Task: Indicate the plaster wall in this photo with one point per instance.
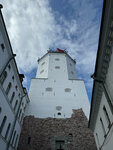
(2, 143)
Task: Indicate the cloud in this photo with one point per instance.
(34, 26)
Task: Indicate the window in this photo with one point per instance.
(19, 95)
(41, 71)
(70, 136)
(15, 105)
(2, 46)
(29, 140)
(19, 113)
(22, 117)
(7, 131)
(57, 59)
(12, 97)
(57, 67)
(97, 140)
(13, 137)
(2, 124)
(43, 63)
(9, 67)
(13, 78)
(16, 141)
(67, 90)
(60, 144)
(16, 87)
(102, 125)
(8, 88)
(3, 77)
(59, 113)
(49, 89)
(107, 117)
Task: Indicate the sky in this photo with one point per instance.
(34, 26)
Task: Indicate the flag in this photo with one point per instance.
(60, 50)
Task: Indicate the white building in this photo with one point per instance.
(13, 97)
(101, 115)
(56, 91)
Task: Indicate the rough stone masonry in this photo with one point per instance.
(57, 134)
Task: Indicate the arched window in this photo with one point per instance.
(3, 77)
(2, 124)
(15, 105)
(13, 137)
(12, 97)
(8, 88)
(7, 131)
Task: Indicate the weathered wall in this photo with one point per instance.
(45, 132)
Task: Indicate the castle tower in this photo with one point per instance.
(55, 117)
(56, 91)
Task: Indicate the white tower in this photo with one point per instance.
(56, 91)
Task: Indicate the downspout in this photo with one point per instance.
(16, 117)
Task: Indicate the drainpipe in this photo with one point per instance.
(7, 64)
(16, 117)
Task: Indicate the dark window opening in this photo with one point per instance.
(13, 137)
(7, 131)
(15, 105)
(12, 97)
(13, 78)
(59, 113)
(60, 145)
(70, 135)
(2, 124)
(3, 47)
(8, 88)
(3, 77)
(103, 128)
(107, 116)
(29, 140)
(9, 67)
(16, 87)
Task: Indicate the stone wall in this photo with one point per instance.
(57, 134)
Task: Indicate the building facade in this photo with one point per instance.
(13, 97)
(101, 115)
(56, 117)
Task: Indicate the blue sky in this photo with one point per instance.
(36, 26)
